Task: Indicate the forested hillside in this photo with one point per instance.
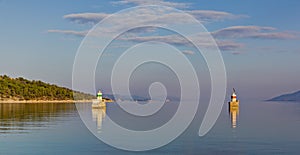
(23, 89)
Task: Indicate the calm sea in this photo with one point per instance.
(256, 128)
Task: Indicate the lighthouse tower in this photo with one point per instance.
(98, 103)
(234, 109)
(99, 96)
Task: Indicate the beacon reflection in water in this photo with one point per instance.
(233, 107)
(98, 116)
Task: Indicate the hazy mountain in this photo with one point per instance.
(123, 97)
(135, 97)
(287, 97)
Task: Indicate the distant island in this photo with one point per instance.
(125, 98)
(23, 90)
(118, 97)
(287, 97)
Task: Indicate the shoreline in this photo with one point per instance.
(48, 101)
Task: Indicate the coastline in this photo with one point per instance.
(47, 101)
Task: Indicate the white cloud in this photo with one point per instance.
(69, 32)
(180, 41)
(162, 15)
(83, 18)
(211, 15)
(171, 39)
(153, 2)
(227, 45)
(252, 32)
(275, 35)
(148, 16)
(175, 40)
(157, 17)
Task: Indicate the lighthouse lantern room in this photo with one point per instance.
(234, 102)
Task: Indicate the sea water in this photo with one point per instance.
(56, 128)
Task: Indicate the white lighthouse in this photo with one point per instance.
(99, 103)
(99, 95)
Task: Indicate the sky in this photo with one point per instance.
(259, 42)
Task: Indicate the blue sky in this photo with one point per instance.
(259, 39)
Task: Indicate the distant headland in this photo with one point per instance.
(21, 90)
(295, 97)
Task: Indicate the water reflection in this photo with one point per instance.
(23, 118)
(98, 116)
(234, 112)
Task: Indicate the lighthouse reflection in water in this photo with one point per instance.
(233, 107)
(98, 116)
